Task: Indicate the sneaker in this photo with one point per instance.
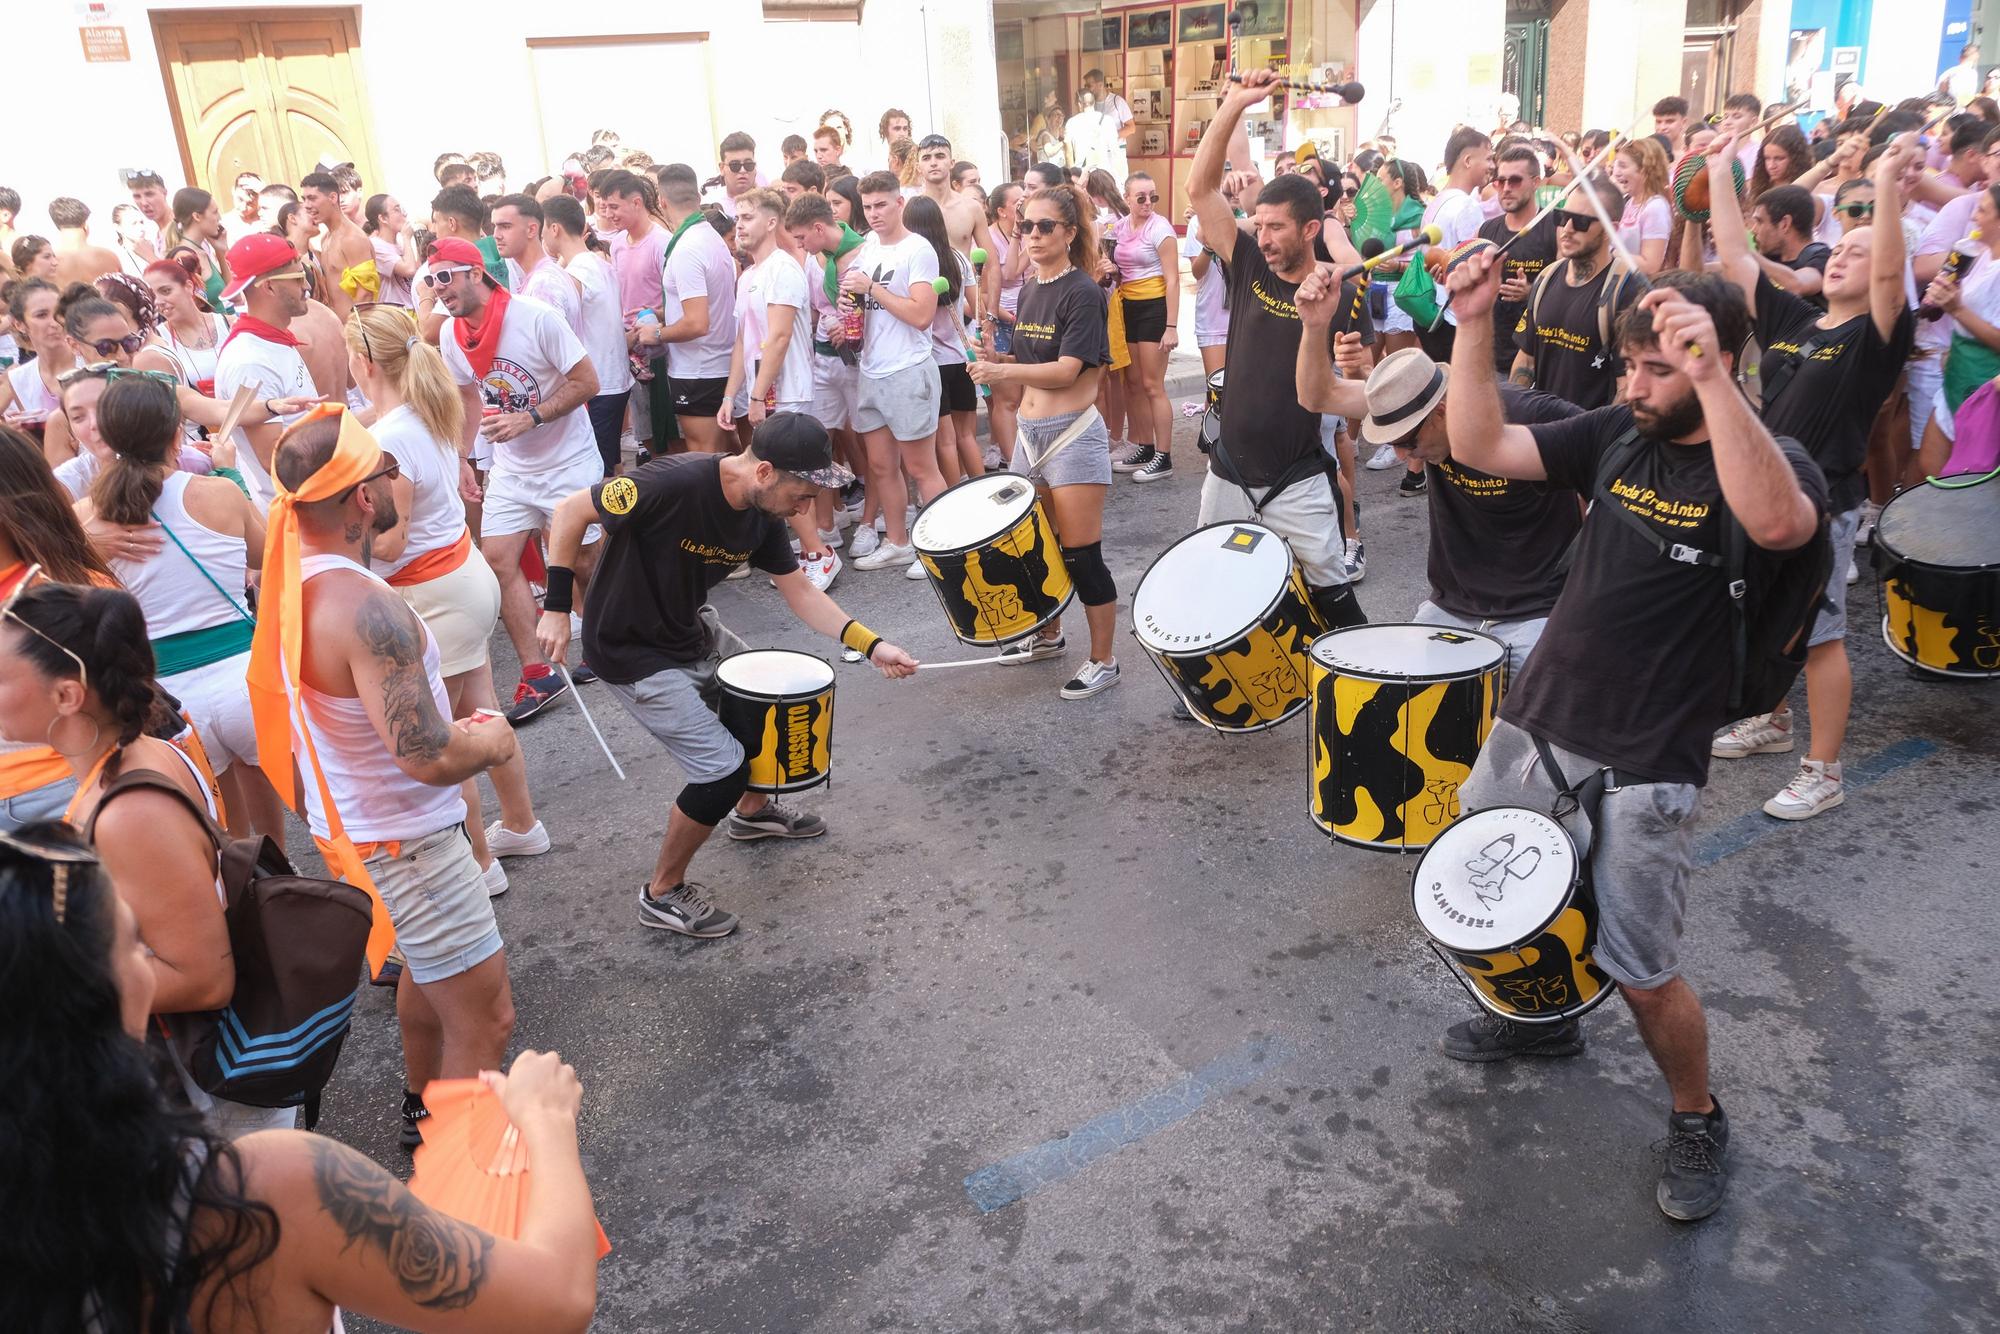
(740, 572)
(1383, 459)
(864, 541)
(1159, 468)
(832, 541)
(684, 911)
(1413, 484)
(991, 458)
(1816, 787)
(774, 820)
(1864, 532)
(1033, 649)
(1488, 1037)
(414, 1113)
(1761, 735)
(504, 842)
(1096, 676)
(534, 694)
(822, 571)
(494, 879)
(391, 974)
(1853, 571)
(581, 674)
(1134, 458)
(885, 555)
(1694, 1181)
(1356, 561)
(916, 571)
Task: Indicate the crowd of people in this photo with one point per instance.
(274, 475)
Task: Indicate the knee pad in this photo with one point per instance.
(1337, 606)
(708, 803)
(1087, 570)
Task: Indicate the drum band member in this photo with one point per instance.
(672, 532)
(1060, 347)
(1632, 675)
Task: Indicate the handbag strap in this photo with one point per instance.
(212, 582)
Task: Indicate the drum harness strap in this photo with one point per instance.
(1313, 465)
(1070, 434)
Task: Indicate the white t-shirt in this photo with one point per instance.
(277, 371)
(537, 350)
(1211, 294)
(1117, 113)
(603, 327)
(437, 514)
(887, 344)
(388, 255)
(701, 265)
(1136, 248)
(777, 280)
(549, 283)
(1458, 216)
(1651, 221)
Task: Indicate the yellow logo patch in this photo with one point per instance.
(619, 495)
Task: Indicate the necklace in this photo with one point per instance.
(203, 340)
(1057, 275)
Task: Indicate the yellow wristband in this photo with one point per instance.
(860, 638)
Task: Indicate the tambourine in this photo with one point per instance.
(1691, 188)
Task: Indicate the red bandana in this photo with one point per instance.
(481, 345)
(256, 328)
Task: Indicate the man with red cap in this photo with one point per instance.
(268, 283)
(526, 380)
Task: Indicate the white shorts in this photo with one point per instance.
(836, 390)
(216, 699)
(525, 502)
(1305, 514)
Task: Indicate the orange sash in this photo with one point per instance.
(434, 564)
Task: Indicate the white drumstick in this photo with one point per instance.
(962, 662)
(577, 695)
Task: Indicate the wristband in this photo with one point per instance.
(535, 416)
(854, 634)
(562, 589)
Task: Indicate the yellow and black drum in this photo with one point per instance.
(1211, 413)
(1502, 896)
(779, 704)
(1937, 553)
(1399, 713)
(992, 559)
(1224, 614)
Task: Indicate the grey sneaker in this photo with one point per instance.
(1694, 1180)
(775, 820)
(1488, 1037)
(1032, 649)
(1094, 677)
(683, 910)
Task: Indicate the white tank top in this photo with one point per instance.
(378, 802)
(32, 398)
(173, 593)
(197, 364)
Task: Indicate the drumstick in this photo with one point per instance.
(601, 743)
(1611, 232)
(237, 407)
(961, 662)
(1557, 202)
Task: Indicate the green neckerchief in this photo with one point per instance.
(496, 267)
(1411, 214)
(849, 238)
(690, 220)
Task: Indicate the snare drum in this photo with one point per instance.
(1937, 552)
(1502, 894)
(1211, 414)
(779, 704)
(1399, 713)
(1224, 614)
(992, 559)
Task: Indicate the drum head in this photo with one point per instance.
(1954, 527)
(1418, 652)
(1494, 879)
(1210, 587)
(975, 511)
(775, 672)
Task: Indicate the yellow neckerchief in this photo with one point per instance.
(359, 278)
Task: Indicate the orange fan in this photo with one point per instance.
(472, 1164)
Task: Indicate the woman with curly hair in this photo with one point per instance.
(1639, 170)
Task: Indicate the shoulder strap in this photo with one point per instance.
(1622, 451)
(212, 581)
(129, 779)
(1607, 299)
(1783, 373)
(1542, 281)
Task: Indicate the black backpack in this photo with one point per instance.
(298, 943)
(1774, 596)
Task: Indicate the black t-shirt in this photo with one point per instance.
(1813, 255)
(1065, 318)
(1634, 667)
(1571, 359)
(671, 535)
(1829, 402)
(1497, 544)
(1527, 258)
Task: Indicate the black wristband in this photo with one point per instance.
(562, 589)
(535, 416)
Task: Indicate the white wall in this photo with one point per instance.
(1901, 57)
(1439, 58)
(1632, 58)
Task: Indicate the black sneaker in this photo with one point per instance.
(1488, 1037)
(1134, 458)
(1413, 484)
(1159, 469)
(581, 673)
(535, 694)
(414, 1112)
(1694, 1181)
(1032, 649)
(774, 821)
(682, 910)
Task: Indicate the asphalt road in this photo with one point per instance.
(1073, 1021)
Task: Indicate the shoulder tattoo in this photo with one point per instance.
(392, 634)
(439, 1262)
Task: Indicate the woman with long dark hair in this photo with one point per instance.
(30, 393)
(198, 225)
(387, 226)
(844, 195)
(1782, 158)
(958, 398)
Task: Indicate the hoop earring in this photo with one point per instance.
(96, 735)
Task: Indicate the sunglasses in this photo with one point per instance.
(392, 471)
(1146, 199)
(111, 370)
(8, 613)
(443, 277)
(1041, 226)
(104, 347)
(1511, 180)
(1583, 222)
(1856, 210)
(1349, 191)
(368, 348)
(742, 164)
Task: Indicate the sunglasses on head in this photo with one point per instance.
(8, 613)
(1856, 210)
(1041, 226)
(741, 164)
(111, 370)
(1583, 222)
(104, 347)
(443, 277)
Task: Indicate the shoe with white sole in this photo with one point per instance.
(1383, 459)
(1134, 458)
(1032, 649)
(1356, 561)
(832, 541)
(823, 570)
(865, 540)
(916, 570)
(1159, 468)
(885, 555)
(1760, 735)
(1853, 571)
(494, 879)
(991, 458)
(1815, 788)
(1095, 677)
(504, 842)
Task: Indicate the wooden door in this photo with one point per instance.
(273, 97)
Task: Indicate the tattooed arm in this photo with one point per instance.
(387, 659)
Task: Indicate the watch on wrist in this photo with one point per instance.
(535, 416)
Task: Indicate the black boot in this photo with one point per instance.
(414, 1111)
(1338, 607)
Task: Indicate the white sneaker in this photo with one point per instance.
(1816, 788)
(1864, 532)
(831, 541)
(882, 557)
(864, 541)
(494, 879)
(916, 571)
(1356, 560)
(504, 842)
(1853, 571)
(1384, 459)
(740, 572)
(1094, 677)
(575, 626)
(1752, 736)
(822, 572)
(992, 458)
(1121, 452)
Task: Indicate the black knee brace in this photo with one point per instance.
(1087, 570)
(1337, 606)
(708, 803)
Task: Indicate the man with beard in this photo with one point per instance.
(268, 284)
(672, 532)
(1633, 673)
(1514, 183)
(1566, 334)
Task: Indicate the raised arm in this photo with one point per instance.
(1725, 222)
(1320, 390)
(1481, 437)
(1886, 300)
(1204, 180)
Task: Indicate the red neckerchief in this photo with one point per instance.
(256, 328)
(481, 345)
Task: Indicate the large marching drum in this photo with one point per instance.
(1937, 552)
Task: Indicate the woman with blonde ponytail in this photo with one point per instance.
(419, 422)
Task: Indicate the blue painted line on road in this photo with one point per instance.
(1010, 1179)
(1744, 830)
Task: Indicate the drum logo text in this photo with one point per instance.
(798, 738)
(1463, 919)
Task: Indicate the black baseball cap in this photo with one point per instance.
(795, 443)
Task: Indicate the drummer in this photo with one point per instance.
(1059, 350)
(673, 531)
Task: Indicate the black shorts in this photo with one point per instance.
(698, 398)
(960, 393)
(1145, 321)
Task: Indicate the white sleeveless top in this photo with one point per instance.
(175, 596)
(32, 398)
(437, 514)
(197, 364)
(378, 802)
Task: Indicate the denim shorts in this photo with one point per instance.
(432, 888)
(1831, 623)
(41, 803)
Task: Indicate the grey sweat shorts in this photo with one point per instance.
(1086, 460)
